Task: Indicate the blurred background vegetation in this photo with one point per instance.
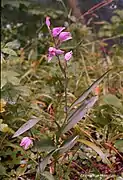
(31, 87)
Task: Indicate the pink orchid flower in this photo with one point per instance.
(59, 52)
(65, 36)
(68, 55)
(56, 31)
(26, 142)
(53, 52)
(48, 22)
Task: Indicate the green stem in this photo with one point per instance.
(65, 88)
(65, 83)
(63, 70)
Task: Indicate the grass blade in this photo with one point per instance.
(97, 149)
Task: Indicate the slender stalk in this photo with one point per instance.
(63, 70)
(65, 87)
(65, 81)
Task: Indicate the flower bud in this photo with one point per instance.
(68, 55)
(26, 142)
(48, 22)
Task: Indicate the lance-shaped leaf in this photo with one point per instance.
(47, 175)
(98, 150)
(79, 114)
(68, 144)
(45, 161)
(25, 127)
(86, 92)
(71, 113)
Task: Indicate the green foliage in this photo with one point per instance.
(119, 145)
(33, 94)
(114, 29)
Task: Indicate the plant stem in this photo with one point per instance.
(65, 81)
(63, 70)
(65, 87)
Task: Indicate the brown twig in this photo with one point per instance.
(110, 146)
(96, 7)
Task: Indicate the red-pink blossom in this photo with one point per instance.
(65, 36)
(59, 52)
(48, 22)
(53, 52)
(68, 55)
(57, 30)
(26, 142)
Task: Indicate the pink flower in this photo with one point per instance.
(59, 52)
(53, 52)
(68, 55)
(56, 31)
(48, 22)
(26, 142)
(64, 36)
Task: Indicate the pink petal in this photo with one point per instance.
(48, 22)
(26, 142)
(68, 55)
(52, 51)
(27, 145)
(23, 141)
(59, 52)
(64, 36)
(50, 58)
(56, 31)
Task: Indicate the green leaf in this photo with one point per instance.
(45, 161)
(3, 82)
(119, 145)
(9, 76)
(15, 3)
(48, 175)
(2, 170)
(13, 45)
(11, 73)
(97, 149)
(24, 90)
(14, 80)
(45, 144)
(111, 99)
(68, 144)
(9, 144)
(9, 51)
(25, 127)
(21, 170)
(86, 92)
(78, 114)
